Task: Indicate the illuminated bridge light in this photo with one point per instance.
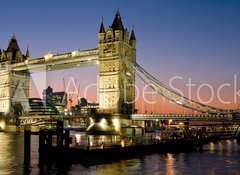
(128, 73)
(74, 53)
(48, 56)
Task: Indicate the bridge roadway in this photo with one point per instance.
(181, 117)
(37, 119)
(60, 61)
(31, 120)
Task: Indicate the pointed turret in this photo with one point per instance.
(117, 22)
(13, 45)
(27, 54)
(102, 29)
(132, 40)
(132, 37)
(101, 33)
(14, 54)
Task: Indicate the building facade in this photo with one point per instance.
(14, 86)
(117, 83)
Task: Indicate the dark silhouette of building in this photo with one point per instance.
(56, 99)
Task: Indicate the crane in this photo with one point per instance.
(71, 96)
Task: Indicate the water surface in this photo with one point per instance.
(216, 158)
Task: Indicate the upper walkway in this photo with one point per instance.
(60, 61)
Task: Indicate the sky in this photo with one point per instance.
(176, 40)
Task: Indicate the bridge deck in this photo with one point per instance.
(181, 117)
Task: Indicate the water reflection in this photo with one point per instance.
(170, 163)
(229, 147)
(11, 153)
(216, 158)
(211, 147)
(220, 148)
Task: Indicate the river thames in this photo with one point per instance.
(216, 158)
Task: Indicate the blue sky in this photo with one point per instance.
(192, 39)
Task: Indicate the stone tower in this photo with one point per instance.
(14, 86)
(116, 82)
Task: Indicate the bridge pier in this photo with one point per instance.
(238, 138)
(27, 148)
(200, 147)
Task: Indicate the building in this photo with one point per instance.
(38, 107)
(57, 99)
(90, 108)
(83, 102)
(116, 88)
(84, 107)
(14, 86)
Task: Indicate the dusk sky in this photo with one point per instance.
(197, 40)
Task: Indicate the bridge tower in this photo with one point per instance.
(116, 82)
(14, 86)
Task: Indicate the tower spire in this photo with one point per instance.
(117, 22)
(13, 45)
(102, 29)
(14, 37)
(118, 13)
(132, 37)
(27, 53)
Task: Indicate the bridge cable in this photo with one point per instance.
(171, 94)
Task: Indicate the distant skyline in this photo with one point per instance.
(197, 40)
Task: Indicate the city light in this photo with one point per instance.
(178, 102)
(2, 125)
(122, 143)
(103, 121)
(116, 123)
(50, 126)
(91, 121)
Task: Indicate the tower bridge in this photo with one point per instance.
(116, 59)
